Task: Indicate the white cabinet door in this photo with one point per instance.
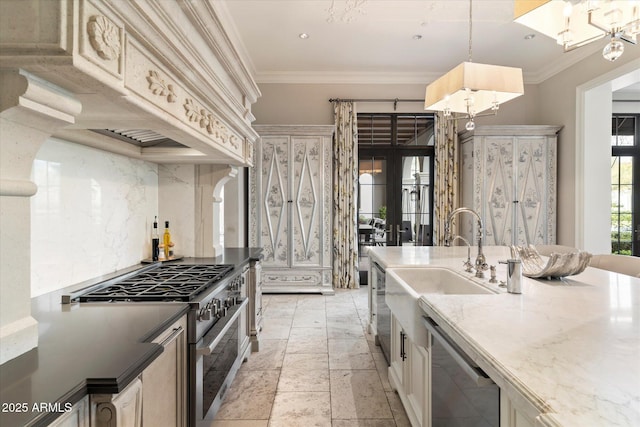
(418, 395)
(164, 382)
(372, 292)
(509, 178)
(510, 416)
(244, 335)
(275, 193)
(535, 186)
(497, 207)
(397, 356)
(255, 303)
(290, 207)
(409, 372)
(306, 201)
(77, 417)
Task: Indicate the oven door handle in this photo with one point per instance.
(477, 375)
(205, 348)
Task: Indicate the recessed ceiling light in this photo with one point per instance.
(529, 36)
(303, 36)
(417, 37)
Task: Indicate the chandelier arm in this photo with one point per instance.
(568, 48)
(628, 26)
(590, 21)
(456, 117)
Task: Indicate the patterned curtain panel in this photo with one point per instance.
(345, 197)
(446, 174)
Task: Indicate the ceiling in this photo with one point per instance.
(376, 41)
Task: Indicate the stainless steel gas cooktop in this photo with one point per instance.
(163, 282)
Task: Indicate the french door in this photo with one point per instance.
(395, 191)
(625, 181)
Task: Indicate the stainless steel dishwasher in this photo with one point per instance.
(462, 394)
(383, 321)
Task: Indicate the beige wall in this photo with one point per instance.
(557, 105)
(308, 104)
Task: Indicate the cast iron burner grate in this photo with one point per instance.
(164, 283)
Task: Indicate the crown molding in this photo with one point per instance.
(355, 77)
(227, 22)
(567, 60)
(401, 77)
(344, 77)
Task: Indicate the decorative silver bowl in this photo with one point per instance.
(558, 265)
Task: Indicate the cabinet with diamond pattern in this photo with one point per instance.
(508, 176)
(290, 207)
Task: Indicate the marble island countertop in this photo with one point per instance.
(566, 352)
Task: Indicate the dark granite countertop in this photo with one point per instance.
(236, 256)
(86, 348)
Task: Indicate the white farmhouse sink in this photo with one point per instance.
(404, 286)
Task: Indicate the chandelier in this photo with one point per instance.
(471, 88)
(575, 23)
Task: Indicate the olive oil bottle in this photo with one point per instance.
(166, 240)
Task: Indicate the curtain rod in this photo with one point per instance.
(394, 100)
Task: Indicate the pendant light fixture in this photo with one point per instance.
(576, 23)
(471, 88)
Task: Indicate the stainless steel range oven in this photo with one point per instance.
(217, 331)
(216, 353)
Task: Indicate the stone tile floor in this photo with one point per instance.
(317, 366)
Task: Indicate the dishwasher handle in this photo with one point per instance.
(477, 375)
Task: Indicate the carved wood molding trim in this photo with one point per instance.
(290, 278)
(104, 37)
(206, 120)
(105, 414)
(158, 86)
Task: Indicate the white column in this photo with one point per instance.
(596, 234)
(31, 110)
(210, 180)
(234, 212)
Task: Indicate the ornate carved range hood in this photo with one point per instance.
(167, 68)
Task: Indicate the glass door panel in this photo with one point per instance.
(621, 205)
(416, 193)
(372, 200)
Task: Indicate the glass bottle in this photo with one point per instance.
(166, 240)
(155, 241)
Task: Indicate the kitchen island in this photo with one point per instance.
(565, 353)
(89, 348)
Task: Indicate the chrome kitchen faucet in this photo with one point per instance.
(481, 262)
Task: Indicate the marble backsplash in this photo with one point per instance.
(92, 214)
